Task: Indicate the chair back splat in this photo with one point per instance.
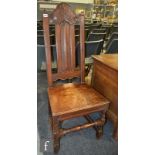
(64, 20)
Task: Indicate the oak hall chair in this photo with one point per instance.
(69, 100)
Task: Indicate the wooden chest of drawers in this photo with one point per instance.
(105, 80)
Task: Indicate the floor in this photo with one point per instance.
(83, 142)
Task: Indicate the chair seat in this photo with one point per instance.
(70, 98)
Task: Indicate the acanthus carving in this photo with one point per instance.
(64, 13)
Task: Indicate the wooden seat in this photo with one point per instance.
(70, 100)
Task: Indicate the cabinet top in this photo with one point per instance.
(111, 60)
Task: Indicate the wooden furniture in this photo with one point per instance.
(105, 80)
(70, 100)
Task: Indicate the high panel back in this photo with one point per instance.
(64, 19)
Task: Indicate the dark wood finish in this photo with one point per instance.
(64, 20)
(47, 48)
(105, 80)
(70, 100)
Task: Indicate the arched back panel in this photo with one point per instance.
(64, 19)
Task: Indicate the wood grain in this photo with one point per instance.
(105, 81)
(74, 97)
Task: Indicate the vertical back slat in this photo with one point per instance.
(72, 46)
(47, 48)
(64, 46)
(58, 47)
(82, 48)
(63, 56)
(67, 43)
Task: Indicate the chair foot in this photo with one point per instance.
(99, 132)
(56, 136)
(56, 145)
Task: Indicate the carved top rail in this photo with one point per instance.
(63, 13)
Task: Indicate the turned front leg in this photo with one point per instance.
(56, 135)
(99, 132)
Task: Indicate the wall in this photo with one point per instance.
(76, 1)
(73, 5)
